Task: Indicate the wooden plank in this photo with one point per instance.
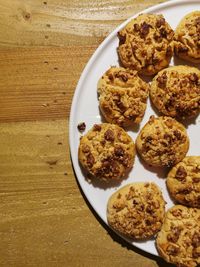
(44, 218)
(60, 22)
(38, 83)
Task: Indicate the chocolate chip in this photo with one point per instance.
(122, 76)
(168, 137)
(184, 191)
(196, 180)
(148, 222)
(174, 235)
(181, 173)
(119, 151)
(144, 53)
(110, 166)
(120, 105)
(196, 169)
(170, 35)
(163, 32)
(151, 119)
(177, 134)
(97, 127)
(136, 27)
(196, 240)
(122, 38)
(111, 77)
(171, 238)
(106, 166)
(193, 77)
(85, 148)
(162, 80)
(103, 142)
(160, 22)
(183, 83)
(148, 139)
(135, 202)
(149, 209)
(159, 152)
(158, 39)
(183, 110)
(169, 104)
(109, 135)
(90, 160)
(144, 30)
(172, 250)
(177, 213)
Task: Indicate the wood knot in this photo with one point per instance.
(52, 162)
(26, 15)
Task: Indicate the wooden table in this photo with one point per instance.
(44, 218)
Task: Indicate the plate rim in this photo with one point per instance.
(77, 91)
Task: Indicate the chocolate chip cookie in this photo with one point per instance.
(146, 44)
(175, 91)
(178, 242)
(162, 142)
(187, 37)
(183, 181)
(106, 152)
(136, 210)
(122, 96)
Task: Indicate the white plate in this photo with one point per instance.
(85, 109)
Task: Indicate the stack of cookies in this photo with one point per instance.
(106, 152)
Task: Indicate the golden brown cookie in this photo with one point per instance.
(183, 181)
(175, 91)
(178, 242)
(122, 96)
(136, 210)
(187, 37)
(162, 142)
(106, 152)
(146, 44)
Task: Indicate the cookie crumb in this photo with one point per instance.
(81, 126)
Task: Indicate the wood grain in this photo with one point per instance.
(61, 23)
(45, 219)
(37, 84)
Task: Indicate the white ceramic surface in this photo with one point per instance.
(85, 109)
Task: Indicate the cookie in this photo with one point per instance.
(187, 37)
(122, 96)
(106, 152)
(136, 210)
(175, 91)
(183, 181)
(178, 242)
(146, 44)
(162, 142)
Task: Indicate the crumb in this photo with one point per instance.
(81, 126)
